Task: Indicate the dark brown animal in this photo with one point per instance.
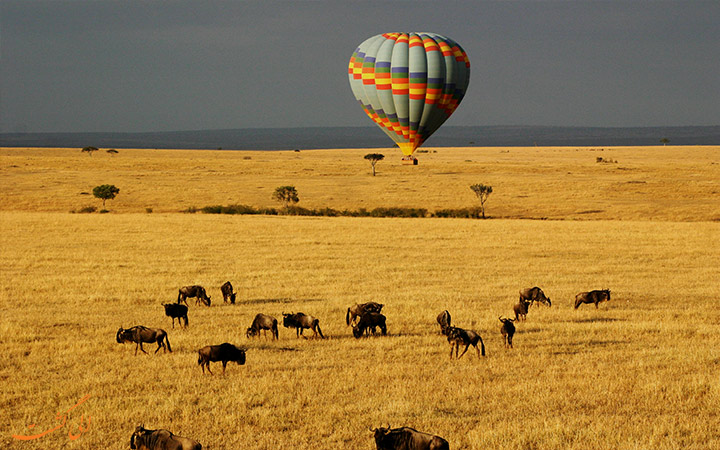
(301, 321)
(507, 329)
(407, 438)
(223, 352)
(368, 322)
(521, 309)
(263, 322)
(140, 334)
(227, 292)
(534, 294)
(176, 311)
(457, 336)
(592, 297)
(444, 320)
(193, 291)
(358, 309)
(143, 439)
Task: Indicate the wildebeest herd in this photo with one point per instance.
(364, 318)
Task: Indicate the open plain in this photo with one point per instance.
(640, 372)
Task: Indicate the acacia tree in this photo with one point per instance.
(374, 158)
(664, 141)
(89, 150)
(105, 192)
(482, 192)
(286, 195)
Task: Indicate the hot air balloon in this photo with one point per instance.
(409, 84)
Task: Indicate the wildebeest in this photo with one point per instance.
(358, 309)
(300, 321)
(369, 321)
(507, 329)
(521, 309)
(457, 336)
(227, 292)
(592, 297)
(534, 294)
(406, 438)
(193, 291)
(140, 334)
(223, 352)
(444, 320)
(176, 311)
(263, 322)
(143, 439)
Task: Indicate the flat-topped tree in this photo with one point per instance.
(105, 192)
(374, 158)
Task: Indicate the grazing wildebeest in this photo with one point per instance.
(457, 336)
(223, 352)
(592, 297)
(358, 309)
(193, 291)
(263, 322)
(176, 311)
(507, 329)
(444, 320)
(300, 321)
(227, 292)
(521, 309)
(534, 294)
(143, 439)
(369, 321)
(140, 334)
(407, 438)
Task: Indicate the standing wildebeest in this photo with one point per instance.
(193, 291)
(444, 320)
(521, 309)
(592, 297)
(300, 321)
(263, 322)
(223, 352)
(407, 438)
(358, 309)
(507, 329)
(140, 334)
(534, 294)
(227, 292)
(369, 321)
(176, 311)
(457, 336)
(143, 439)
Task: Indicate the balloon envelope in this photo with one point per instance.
(409, 83)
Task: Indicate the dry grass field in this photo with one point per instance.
(640, 372)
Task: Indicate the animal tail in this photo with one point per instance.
(482, 347)
(317, 325)
(347, 317)
(168, 343)
(275, 330)
(186, 319)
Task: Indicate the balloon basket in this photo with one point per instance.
(410, 161)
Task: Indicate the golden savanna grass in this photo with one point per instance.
(641, 372)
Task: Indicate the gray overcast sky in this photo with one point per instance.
(132, 65)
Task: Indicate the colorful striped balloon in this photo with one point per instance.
(409, 83)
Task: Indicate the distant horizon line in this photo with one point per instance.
(194, 130)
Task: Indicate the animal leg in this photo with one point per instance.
(224, 364)
(141, 348)
(207, 363)
(160, 345)
(451, 349)
(466, 349)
